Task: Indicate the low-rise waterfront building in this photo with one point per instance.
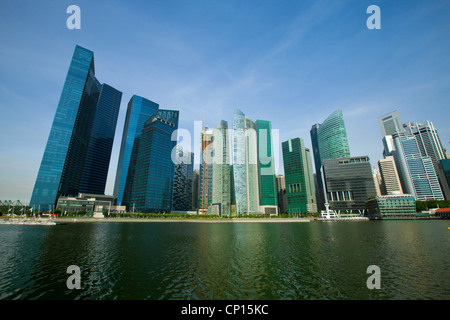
(393, 206)
(89, 203)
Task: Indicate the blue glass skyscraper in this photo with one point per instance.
(139, 110)
(149, 185)
(98, 155)
(80, 113)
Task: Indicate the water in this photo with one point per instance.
(226, 261)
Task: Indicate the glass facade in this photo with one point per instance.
(332, 137)
(98, 155)
(299, 180)
(266, 164)
(390, 123)
(66, 161)
(183, 180)
(416, 172)
(149, 185)
(206, 171)
(329, 141)
(245, 165)
(221, 196)
(139, 110)
(444, 176)
(392, 207)
(348, 183)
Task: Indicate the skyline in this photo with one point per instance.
(207, 59)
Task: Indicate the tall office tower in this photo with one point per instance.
(75, 159)
(417, 173)
(232, 194)
(412, 147)
(221, 197)
(266, 166)
(206, 171)
(98, 155)
(139, 110)
(300, 188)
(281, 194)
(329, 141)
(378, 180)
(317, 164)
(427, 139)
(183, 179)
(149, 185)
(195, 180)
(245, 164)
(390, 180)
(348, 183)
(444, 176)
(390, 123)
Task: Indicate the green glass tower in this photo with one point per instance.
(266, 167)
(300, 189)
(329, 141)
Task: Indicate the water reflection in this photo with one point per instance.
(226, 260)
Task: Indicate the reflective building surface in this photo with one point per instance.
(299, 180)
(78, 150)
(149, 185)
(138, 111)
(348, 183)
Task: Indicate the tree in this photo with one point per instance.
(421, 206)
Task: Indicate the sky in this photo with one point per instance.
(290, 62)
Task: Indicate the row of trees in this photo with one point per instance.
(431, 204)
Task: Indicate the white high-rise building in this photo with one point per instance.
(390, 180)
(245, 164)
(221, 197)
(414, 148)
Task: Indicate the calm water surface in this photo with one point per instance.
(229, 261)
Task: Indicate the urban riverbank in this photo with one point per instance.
(196, 220)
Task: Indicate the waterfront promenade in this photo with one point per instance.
(195, 220)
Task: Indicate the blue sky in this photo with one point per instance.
(291, 62)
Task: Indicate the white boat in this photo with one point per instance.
(331, 215)
(30, 221)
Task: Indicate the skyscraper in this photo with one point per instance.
(281, 192)
(78, 150)
(195, 189)
(266, 167)
(427, 139)
(221, 193)
(444, 177)
(348, 183)
(412, 147)
(390, 123)
(245, 164)
(205, 182)
(299, 180)
(416, 172)
(390, 180)
(149, 185)
(139, 110)
(183, 179)
(329, 141)
(98, 155)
